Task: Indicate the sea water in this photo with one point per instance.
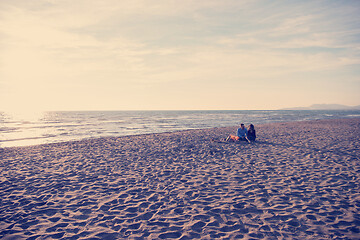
(50, 127)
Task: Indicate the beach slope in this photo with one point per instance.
(300, 180)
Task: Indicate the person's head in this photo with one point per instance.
(242, 126)
(251, 127)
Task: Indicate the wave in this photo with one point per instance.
(21, 139)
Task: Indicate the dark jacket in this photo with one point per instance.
(251, 135)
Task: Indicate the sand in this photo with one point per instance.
(300, 180)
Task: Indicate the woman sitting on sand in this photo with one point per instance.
(251, 135)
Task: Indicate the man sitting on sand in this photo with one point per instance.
(241, 134)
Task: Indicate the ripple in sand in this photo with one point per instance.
(169, 235)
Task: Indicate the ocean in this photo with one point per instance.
(50, 127)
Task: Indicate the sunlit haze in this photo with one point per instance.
(162, 55)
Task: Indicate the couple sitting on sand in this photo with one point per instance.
(244, 134)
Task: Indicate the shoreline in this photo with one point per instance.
(226, 128)
(62, 127)
(299, 180)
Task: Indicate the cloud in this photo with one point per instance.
(142, 48)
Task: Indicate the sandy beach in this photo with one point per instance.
(300, 180)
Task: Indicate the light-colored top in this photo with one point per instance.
(242, 132)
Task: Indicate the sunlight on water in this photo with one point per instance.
(17, 128)
(25, 116)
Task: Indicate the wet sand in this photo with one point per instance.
(300, 180)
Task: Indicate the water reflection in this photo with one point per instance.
(24, 116)
(19, 127)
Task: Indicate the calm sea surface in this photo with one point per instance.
(49, 127)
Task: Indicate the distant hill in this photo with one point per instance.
(325, 107)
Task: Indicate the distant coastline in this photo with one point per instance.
(325, 107)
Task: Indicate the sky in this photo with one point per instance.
(178, 55)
